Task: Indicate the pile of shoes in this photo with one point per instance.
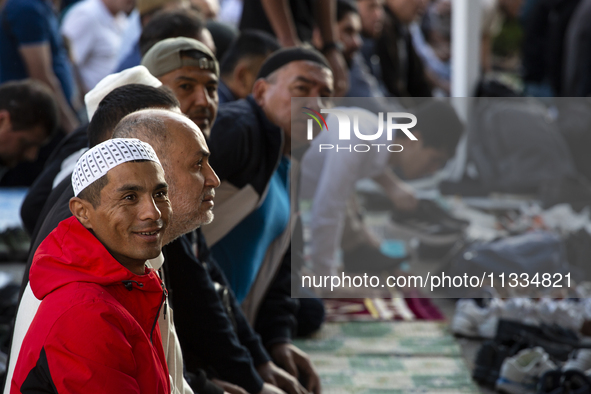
(429, 223)
(521, 354)
(534, 348)
(520, 373)
(532, 371)
(573, 377)
(479, 318)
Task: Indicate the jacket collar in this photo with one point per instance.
(71, 253)
(272, 131)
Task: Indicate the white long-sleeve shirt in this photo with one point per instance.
(95, 38)
(329, 177)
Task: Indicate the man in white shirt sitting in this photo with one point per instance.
(329, 175)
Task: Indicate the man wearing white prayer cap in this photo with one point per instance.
(117, 104)
(95, 330)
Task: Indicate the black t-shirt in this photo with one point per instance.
(254, 17)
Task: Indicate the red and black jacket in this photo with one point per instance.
(95, 331)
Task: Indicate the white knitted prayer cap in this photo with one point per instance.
(138, 75)
(102, 158)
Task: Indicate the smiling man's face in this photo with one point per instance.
(133, 212)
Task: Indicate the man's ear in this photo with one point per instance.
(240, 76)
(258, 91)
(83, 210)
(5, 123)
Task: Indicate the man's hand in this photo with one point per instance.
(271, 389)
(339, 71)
(281, 19)
(403, 197)
(295, 361)
(229, 388)
(271, 373)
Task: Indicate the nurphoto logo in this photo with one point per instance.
(344, 131)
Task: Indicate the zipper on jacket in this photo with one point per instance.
(129, 284)
(164, 295)
(165, 290)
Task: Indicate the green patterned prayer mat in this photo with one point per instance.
(388, 358)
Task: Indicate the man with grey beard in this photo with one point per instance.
(213, 336)
(182, 147)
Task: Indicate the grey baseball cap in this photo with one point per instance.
(165, 56)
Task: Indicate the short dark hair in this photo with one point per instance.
(439, 125)
(344, 7)
(30, 103)
(123, 101)
(92, 192)
(223, 36)
(249, 43)
(170, 24)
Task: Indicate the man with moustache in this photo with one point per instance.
(112, 108)
(191, 71)
(215, 343)
(91, 276)
(250, 238)
(191, 182)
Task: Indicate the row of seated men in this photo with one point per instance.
(215, 333)
(225, 281)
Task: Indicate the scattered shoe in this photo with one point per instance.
(576, 382)
(521, 309)
(472, 321)
(567, 382)
(430, 211)
(489, 360)
(534, 336)
(520, 373)
(551, 383)
(429, 223)
(566, 313)
(578, 360)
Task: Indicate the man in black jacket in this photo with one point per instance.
(402, 69)
(205, 325)
(250, 237)
(196, 310)
(190, 69)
